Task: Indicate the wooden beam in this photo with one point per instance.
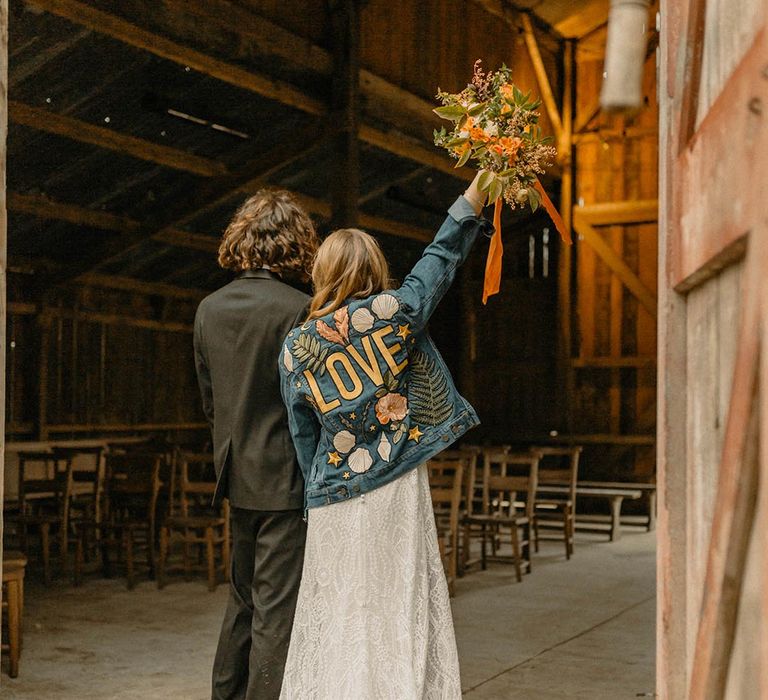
(118, 320)
(47, 208)
(606, 253)
(545, 87)
(41, 206)
(122, 427)
(129, 284)
(110, 25)
(627, 212)
(78, 130)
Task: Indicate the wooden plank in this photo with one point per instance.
(184, 239)
(626, 212)
(691, 80)
(118, 320)
(545, 88)
(644, 295)
(713, 208)
(122, 427)
(78, 130)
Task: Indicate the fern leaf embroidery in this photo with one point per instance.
(307, 349)
(428, 391)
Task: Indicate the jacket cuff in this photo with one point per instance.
(462, 209)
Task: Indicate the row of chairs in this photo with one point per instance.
(490, 495)
(133, 504)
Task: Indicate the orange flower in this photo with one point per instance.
(506, 109)
(508, 91)
(461, 148)
(510, 145)
(477, 134)
(468, 124)
(391, 407)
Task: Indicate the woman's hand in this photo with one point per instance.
(473, 195)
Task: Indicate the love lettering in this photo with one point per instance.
(344, 368)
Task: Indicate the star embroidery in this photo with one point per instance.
(352, 416)
(372, 428)
(298, 385)
(346, 475)
(415, 434)
(404, 331)
(334, 458)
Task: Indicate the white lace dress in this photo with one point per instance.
(373, 619)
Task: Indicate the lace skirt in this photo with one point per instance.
(373, 619)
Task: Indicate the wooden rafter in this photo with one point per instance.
(625, 212)
(247, 79)
(545, 87)
(84, 132)
(614, 261)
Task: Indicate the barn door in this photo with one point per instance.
(713, 364)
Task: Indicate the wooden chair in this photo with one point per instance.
(194, 522)
(509, 492)
(129, 510)
(84, 501)
(557, 512)
(44, 492)
(446, 487)
(14, 566)
(472, 500)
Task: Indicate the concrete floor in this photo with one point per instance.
(578, 629)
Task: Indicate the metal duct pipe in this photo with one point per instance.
(625, 55)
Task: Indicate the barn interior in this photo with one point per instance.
(135, 129)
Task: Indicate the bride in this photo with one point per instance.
(369, 401)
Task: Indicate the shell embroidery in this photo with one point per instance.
(344, 441)
(385, 306)
(385, 448)
(362, 320)
(287, 359)
(360, 460)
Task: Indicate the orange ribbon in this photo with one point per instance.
(492, 282)
(557, 220)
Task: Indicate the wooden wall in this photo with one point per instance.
(615, 335)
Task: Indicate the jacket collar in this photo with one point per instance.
(257, 274)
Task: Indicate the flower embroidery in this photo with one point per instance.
(391, 407)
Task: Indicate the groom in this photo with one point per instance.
(239, 330)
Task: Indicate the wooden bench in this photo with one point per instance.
(615, 497)
(649, 496)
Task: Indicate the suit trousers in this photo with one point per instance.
(267, 559)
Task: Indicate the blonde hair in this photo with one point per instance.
(349, 264)
(270, 229)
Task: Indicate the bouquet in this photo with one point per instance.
(495, 127)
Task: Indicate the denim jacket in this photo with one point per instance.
(368, 395)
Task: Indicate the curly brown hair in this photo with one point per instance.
(269, 229)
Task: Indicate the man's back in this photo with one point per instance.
(239, 330)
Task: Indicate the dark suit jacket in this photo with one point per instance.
(239, 331)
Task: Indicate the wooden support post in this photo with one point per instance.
(3, 244)
(565, 258)
(345, 110)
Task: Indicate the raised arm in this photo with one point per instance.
(435, 271)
